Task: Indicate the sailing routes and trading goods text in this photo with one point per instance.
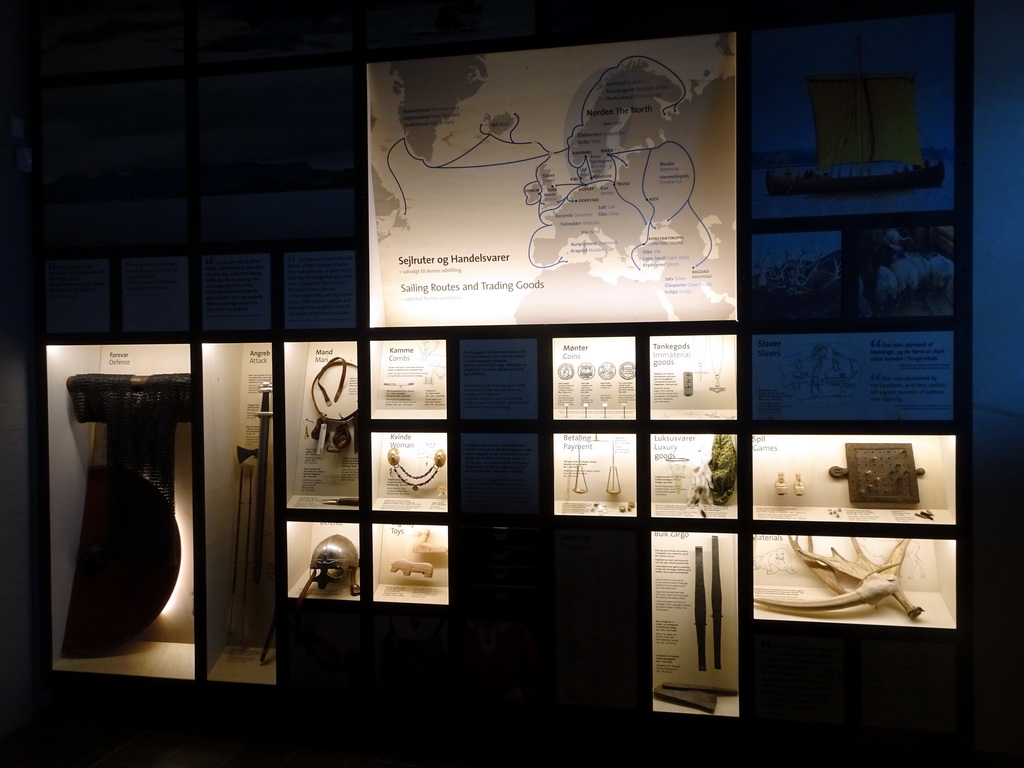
(606, 196)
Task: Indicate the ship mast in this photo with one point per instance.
(859, 114)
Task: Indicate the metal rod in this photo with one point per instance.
(234, 559)
(700, 608)
(246, 472)
(716, 601)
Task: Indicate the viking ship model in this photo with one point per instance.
(860, 119)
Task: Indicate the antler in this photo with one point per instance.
(874, 586)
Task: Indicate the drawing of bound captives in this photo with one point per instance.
(592, 184)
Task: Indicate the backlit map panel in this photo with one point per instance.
(589, 184)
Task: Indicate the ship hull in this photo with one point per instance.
(789, 184)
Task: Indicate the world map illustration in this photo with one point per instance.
(592, 184)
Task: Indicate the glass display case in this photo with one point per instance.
(322, 414)
(856, 580)
(593, 378)
(595, 474)
(694, 476)
(121, 509)
(694, 623)
(411, 563)
(855, 478)
(410, 471)
(241, 559)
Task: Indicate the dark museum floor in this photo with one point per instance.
(59, 741)
(114, 727)
(69, 741)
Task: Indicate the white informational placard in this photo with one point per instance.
(500, 473)
(154, 293)
(410, 379)
(801, 678)
(877, 376)
(693, 377)
(594, 378)
(694, 623)
(595, 474)
(78, 296)
(498, 378)
(320, 289)
(591, 184)
(236, 292)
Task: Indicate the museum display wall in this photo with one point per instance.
(413, 354)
